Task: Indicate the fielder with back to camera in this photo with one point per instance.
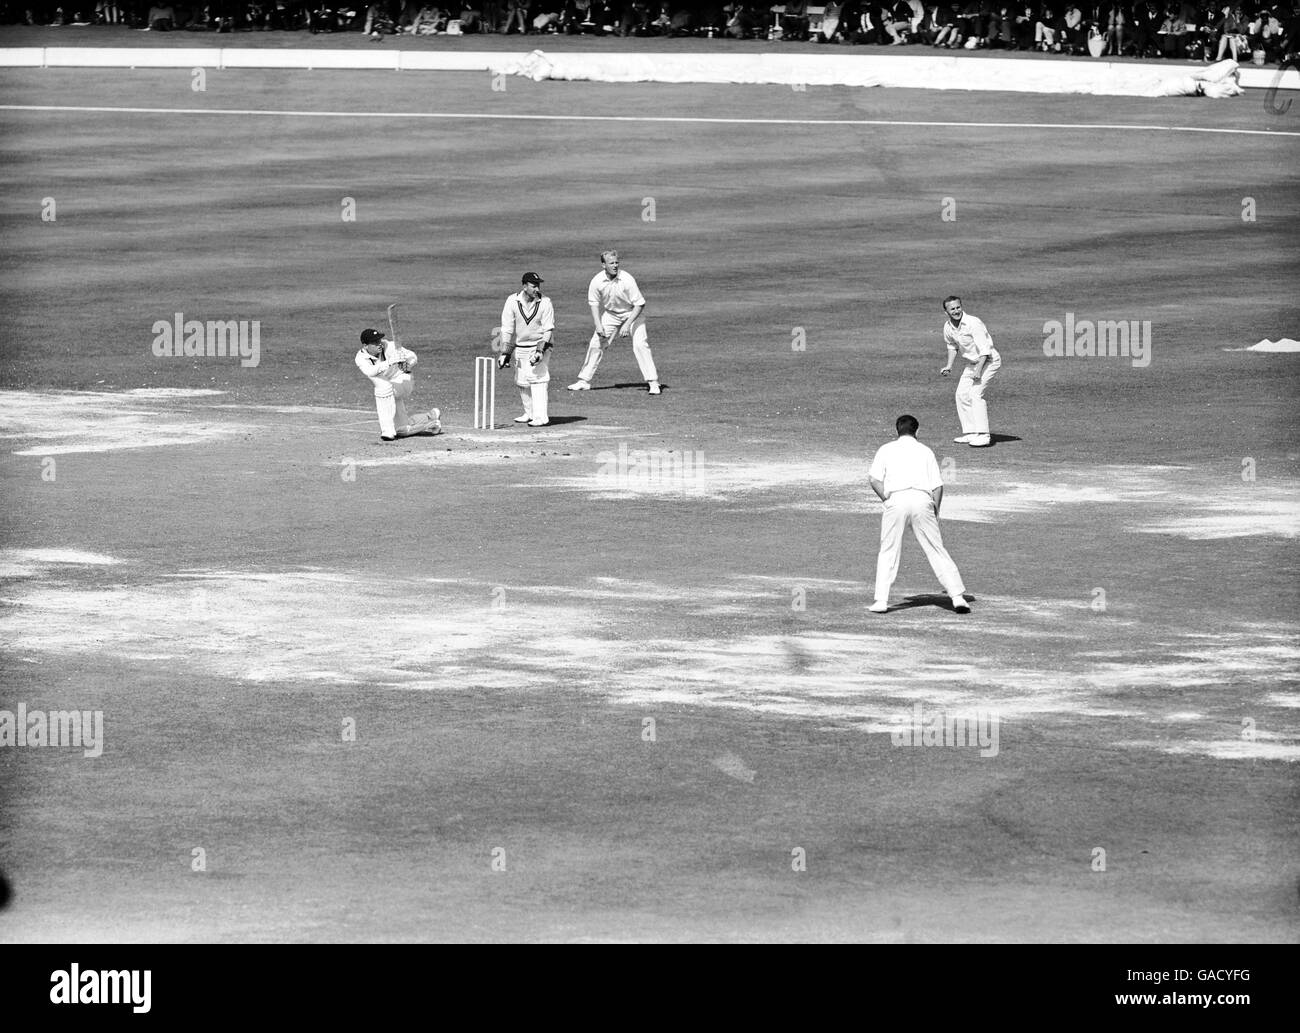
(388, 367)
(905, 475)
(966, 334)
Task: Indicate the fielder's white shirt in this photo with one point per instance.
(526, 323)
(386, 368)
(906, 463)
(970, 337)
(618, 294)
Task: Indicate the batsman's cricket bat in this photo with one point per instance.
(392, 323)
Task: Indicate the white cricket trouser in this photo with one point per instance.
(390, 402)
(915, 507)
(533, 382)
(971, 408)
(613, 322)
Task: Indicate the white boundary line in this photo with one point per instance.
(1122, 127)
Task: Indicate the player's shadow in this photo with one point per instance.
(930, 599)
(621, 387)
(558, 421)
(997, 439)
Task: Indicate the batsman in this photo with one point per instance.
(388, 367)
(527, 323)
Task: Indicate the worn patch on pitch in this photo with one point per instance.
(1257, 510)
(1154, 499)
(639, 643)
(34, 562)
(60, 422)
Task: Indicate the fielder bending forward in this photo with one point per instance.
(906, 477)
(527, 323)
(967, 334)
(388, 366)
(616, 306)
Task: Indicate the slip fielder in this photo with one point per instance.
(966, 334)
(616, 305)
(527, 323)
(388, 367)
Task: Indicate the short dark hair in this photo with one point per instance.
(907, 425)
(950, 297)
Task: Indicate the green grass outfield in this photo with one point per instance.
(231, 577)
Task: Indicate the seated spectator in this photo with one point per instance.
(968, 21)
(516, 18)
(662, 23)
(741, 20)
(949, 34)
(1200, 18)
(1107, 21)
(161, 19)
(1172, 33)
(1071, 35)
(684, 20)
(916, 21)
(575, 18)
(378, 22)
(1272, 33)
(604, 13)
(1001, 31)
(546, 15)
(1144, 24)
(107, 12)
(190, 18)
(1026, 20)
(794, 23)
(862, 29)
(1231, 30)
(1288, 40)
(1045, 30)
(331, 16)
(429, 21)
(847, 28)
(471, 20)
(925, 30)
(287, 15)
(635, 20)
(898, 23)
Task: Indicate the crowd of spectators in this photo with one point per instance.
(1181, 29)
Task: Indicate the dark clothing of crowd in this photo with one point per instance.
(1180, 29)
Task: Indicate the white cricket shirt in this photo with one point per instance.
(906, 463)
(970, 337)
(618, 294)
(393, 354)
(526, 323)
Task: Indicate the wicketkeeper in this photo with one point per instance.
(388, 366)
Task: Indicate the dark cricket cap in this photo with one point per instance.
(371, 337)
(531, 278)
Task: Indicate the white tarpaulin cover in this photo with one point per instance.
(928, 72)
